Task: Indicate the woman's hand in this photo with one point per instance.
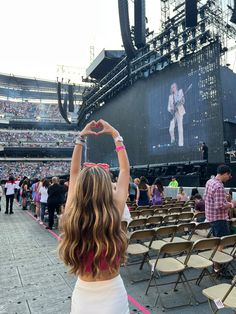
(106, 128)
(88, 129)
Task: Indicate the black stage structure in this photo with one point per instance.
(168, 95)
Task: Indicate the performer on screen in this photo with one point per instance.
(176, 108)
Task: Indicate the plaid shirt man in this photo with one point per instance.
(215, 200)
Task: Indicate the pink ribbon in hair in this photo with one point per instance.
(91, 164)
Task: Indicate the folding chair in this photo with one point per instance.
(160, 211)
(185, 217)
(187, 209)
(221, 257)
(134, 213)
(142, 207)
(156, 207)
(154, 221)
(182, 230)
(160, 234)
(136, 245)
(174, 210)
(170, 265)
(199, 217)
(146, 212)
(224, 292)
(170, 219)
(202, 231)
(197, 261)
(137, 224)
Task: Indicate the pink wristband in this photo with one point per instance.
(120, 148)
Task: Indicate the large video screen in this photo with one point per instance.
(167, 116)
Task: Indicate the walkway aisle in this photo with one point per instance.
(32, 278)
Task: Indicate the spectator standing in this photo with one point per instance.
(136, 181)
(93, 243)
(1, 194)
(25, 193)
(132, 190)
(43, 191)
(10, 194)
(143, 193)
(56, 196)
(182, 196)
(173, 183)
(216, 206)
(157, 192)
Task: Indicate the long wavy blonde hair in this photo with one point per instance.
(92, 223)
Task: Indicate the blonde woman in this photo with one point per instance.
(93, 243)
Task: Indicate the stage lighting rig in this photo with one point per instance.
(173, 44)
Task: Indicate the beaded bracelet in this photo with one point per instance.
(120, 148)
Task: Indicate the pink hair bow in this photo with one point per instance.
(91, 164)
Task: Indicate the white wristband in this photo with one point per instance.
(118, 139)
(232, 205)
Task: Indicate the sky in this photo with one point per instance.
(37, 37)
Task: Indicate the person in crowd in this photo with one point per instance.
(10, 194)
(137, 181)
(36, 197)
(143, 192)
(93, 243)
(229, 198)
(199, 204)
(43, 191)
(132, 190)
(216, 205)
(204, 150)
(193, 193)
(157, 192)
(25, 193)
(1, 194)
(173, 183)
(181, 196)
(56, 195)
(17, 189)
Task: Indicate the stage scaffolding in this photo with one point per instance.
(173, 44)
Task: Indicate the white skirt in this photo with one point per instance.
(100, 297)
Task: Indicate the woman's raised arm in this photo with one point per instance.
(76, 158)
(121, 192)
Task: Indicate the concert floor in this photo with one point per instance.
(34, 281)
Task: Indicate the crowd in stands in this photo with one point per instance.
(30, 111)
(36, 138)
(34, 169)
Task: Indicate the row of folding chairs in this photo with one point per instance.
(134, 206)
(176, 252)
(158, 220)
(159, 211)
